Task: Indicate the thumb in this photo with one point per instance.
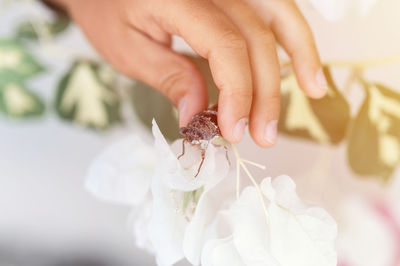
(178, 78)
(172, 74)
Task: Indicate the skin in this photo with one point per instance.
(238, 37)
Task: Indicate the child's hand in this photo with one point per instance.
(238, 37)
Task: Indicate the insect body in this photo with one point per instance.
(204, 126)
(200, 131)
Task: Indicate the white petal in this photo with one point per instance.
(168, 224)
(180, 174)
(161, 143)
(221, 252)
(123, 172)
(195, 232)
(298, 240)
(251, 232)
(282, 190)
(139, 221)
(209, 221)
(295, 234)
(166, 227)
(286, 197)
(299, 234)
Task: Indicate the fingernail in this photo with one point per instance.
(321, 80)
(271, 131)
(238, 131)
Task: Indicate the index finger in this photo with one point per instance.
(214, 36)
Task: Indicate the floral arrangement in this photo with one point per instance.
(221, 217)
(209, 220)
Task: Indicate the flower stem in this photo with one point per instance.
(260, 194)
(237, 179)
(240, 163)
(253, 163)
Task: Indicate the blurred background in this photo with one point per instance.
(50, 130)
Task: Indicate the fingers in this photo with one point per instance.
(213, 36)
(145, 57)
(294, 34)
(265, 70)
(172, 74)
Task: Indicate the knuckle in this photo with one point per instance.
(270, 104)
(268, 107)
(241, 88)
(273, 106)
(266, 37)
(233, 39)
(238, 93)
(259, 30)
(170, 82)
(274, 98)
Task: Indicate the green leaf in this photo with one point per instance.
(17, 101)
(212, 89)
(323, 120)
(374, 136)
(149, 103)
(85, 96)
(55, 27)
(16, 63)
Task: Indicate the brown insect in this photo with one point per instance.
(201, 129)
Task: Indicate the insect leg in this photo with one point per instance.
(183, 149)
(203, 153)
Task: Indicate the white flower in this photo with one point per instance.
(123, 172)
(337, 9)
(209, 220)
(179, 216)
(138, 223)
(180, 174)
(172, 207)
(182, 201)
(296, 234)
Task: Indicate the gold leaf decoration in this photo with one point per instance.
(85, 95)
(374, 139)
(323, 120)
